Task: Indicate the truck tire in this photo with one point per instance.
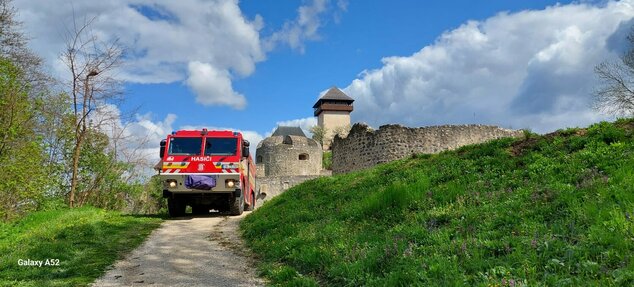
(252, 206)
(175, 207)
(237, 205)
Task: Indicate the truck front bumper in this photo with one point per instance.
(222, 183)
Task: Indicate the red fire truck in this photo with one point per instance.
(207, 170)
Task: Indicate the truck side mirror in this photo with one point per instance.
(245, 148)
(162, 150)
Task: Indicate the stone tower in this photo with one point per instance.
(288, 152)
(333, 114)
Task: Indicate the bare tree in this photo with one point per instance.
(615, 94)
(91, 64)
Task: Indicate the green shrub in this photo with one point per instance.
(606, 132)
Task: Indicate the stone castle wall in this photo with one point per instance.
(288, 156)
(273, 186)
(364, 147)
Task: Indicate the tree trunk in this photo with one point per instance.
(73, 182)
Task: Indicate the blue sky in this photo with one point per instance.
(253, 64)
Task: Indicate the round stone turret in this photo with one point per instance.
(288, 152)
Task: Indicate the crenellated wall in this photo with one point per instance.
(365, 147)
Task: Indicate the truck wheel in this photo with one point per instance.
(237, 206)
(175, 207)
(252, 206)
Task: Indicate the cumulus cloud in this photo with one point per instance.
(165, 41)
(531, 69)
(306, 26)
(160, 36)
(213, 86)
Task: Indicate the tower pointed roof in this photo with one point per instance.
(334, 94)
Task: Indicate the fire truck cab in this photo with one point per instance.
(207, 170)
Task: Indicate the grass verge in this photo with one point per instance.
(555, 210)
(82, 241)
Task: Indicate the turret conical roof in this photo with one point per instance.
(288, 131)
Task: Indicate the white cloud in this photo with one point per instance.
(306, 26)
(135, 141)
(213, 86)
(141, 132)
(532, 69)
(305, 124)
(342, 6)
(162, 38)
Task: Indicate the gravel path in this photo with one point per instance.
(200, 251)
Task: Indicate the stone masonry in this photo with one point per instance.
(272, 186)
(364, 147)
(285, 159)
(288, 155)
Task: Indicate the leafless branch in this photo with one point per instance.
(615, 93)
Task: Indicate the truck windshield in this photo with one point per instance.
(185, 146)
(221, 146)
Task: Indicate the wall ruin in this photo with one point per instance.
(364, 147)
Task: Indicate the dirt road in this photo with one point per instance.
(199, 251)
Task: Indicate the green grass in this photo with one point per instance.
(326, 161)
(84, 240)
(554, 210)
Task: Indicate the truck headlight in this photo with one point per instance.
(171, 183)
(230, 183)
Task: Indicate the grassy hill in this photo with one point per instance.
(79, 244)
(553, 210)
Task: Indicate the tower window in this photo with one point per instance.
(258, 159)
(303, 156)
